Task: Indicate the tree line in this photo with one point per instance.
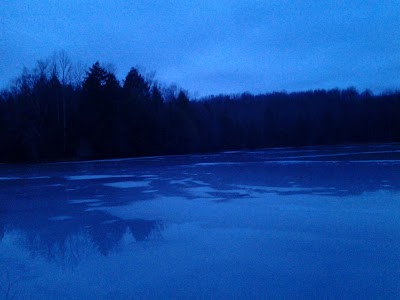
(60, 111)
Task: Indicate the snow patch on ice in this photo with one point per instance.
(302, 161)
(201, 191)
(217, 164)
(90, 177)
(38, 177)
(181, 182)
(378, 161)
(96, 204)
(10, 178)
(83, 201)
(92, 161)
(189, 182)
(109, 221)
(255, 191)
(290, 162)
(128, 184)
(60, 218)
(343, 154)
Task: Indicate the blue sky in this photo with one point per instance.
(211, 47)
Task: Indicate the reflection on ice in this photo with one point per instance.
(244, 225)
(104, 238)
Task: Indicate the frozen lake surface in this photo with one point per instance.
(315, 222)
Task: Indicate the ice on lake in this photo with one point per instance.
(313, 222)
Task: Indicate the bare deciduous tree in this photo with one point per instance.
(63, 68)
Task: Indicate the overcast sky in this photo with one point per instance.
(214, 46)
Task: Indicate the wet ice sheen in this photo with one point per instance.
(233, 229)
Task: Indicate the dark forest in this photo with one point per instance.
(58, 111)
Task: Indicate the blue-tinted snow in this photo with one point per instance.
(83, 201)
(60, 218)
(128, 184)
(90, 177)
(314, 222)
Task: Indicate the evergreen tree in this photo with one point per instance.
(98, 112)
(135, 86)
